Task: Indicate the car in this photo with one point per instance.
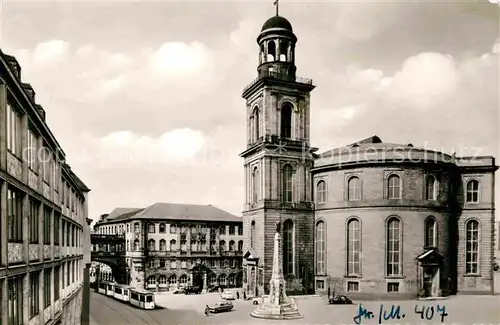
(339, 300)
(192, 289)
(220, 307)
(228, 295)
(259, 300)
(216, 288)
(178, 291)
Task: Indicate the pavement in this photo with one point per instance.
(182, 309)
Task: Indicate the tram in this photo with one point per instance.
(122, 292)
(106, 288)
(142, 298)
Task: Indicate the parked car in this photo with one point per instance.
(192, 289)
(178, 291)
(259, 300)
(339, 300)
(221, 307)
(216, 288)
(228, 295)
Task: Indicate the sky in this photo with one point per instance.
(145, 97)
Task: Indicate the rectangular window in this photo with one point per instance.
(13, 128)
(240, 230)
(32, 152)
(57, 281)
(393, 287)
(15, 301)
(57, 231)
(352, 286)
(222, 230)
(14, 210)
(34, 294)
(68, 274)
(46, 288)
(231, 230)
(46, 226)
(33, 221)
(320, 284)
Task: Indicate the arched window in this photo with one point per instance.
(172, 280)
(222, 279)
(163, 245)
(394, 187)
(320, 247)
(354, 189)
(255, 185)
(472, 247)
(222, 245)
(353, 247)
(252, 233)
(231, 245)
(137, 227)
(136, 245)
(472, 191)
(183, 279)
(431, 233)
(151, 228)
(288, 249)
(255, 125)
(173, 229)
(286, 183)
(286, 120)
(212, 279)
(321, 191)
(283, 51)
(393, 247)
(152, 281)
(430, 187)
(231, 279)
(151, 245)
(271, 51)
(163, 228)
(240, 246)
(162, 280)
(173, 244)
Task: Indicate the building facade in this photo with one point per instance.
(370, 218)
(43, 212)
(169, 246)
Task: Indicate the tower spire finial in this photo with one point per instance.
(276, 3)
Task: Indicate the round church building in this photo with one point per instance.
(389, 223)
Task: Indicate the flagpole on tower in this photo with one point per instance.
(276, 3)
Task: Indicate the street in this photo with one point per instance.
(188, 309)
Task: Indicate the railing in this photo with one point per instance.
(103, 238)
(107, 254)
(277, 76)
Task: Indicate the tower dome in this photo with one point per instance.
(277, 22)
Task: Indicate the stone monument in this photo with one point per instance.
(277, 305)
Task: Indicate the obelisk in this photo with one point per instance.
(277, 305)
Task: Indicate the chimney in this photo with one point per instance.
(14, 65)
(41, 111)
(30, 91)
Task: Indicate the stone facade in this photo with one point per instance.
(35, 221)
(203, 246)
(414, 212)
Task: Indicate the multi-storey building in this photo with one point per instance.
(369, 218)
(43, 209)
(172, 245)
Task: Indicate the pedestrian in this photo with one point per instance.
(237, 295)
(207, 310)
(244, 295)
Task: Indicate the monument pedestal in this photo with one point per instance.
(277, 305)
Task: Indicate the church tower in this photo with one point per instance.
(277, 164)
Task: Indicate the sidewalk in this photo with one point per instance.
(92, 321)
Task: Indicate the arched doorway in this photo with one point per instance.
(199, 275)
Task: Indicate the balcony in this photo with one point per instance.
(281, 76)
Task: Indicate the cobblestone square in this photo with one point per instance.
(316, 310)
